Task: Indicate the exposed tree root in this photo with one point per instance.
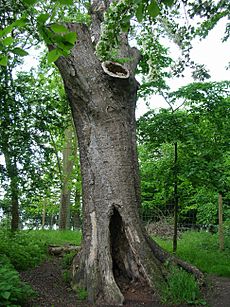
(164, 257)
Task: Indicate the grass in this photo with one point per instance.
(56, 237)
(181, 287)
(201, 249)
(26, 249)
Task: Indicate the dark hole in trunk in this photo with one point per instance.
(116, 68)
(119, 249)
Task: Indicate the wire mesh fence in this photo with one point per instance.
(160, 222)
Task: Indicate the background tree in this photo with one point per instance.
(70, 162)
(202, 135)
(213, 119)
(28, 120)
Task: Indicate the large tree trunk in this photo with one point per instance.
(103, 108)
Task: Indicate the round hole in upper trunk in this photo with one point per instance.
(115, 70)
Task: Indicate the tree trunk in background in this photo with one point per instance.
(76, 217)
(43, 215)
(51, 221)
(220, 214)
(12, 172)
(14, 205)
(68, 163)
(176, 199)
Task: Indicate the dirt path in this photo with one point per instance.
(47, 280)
(219, 292)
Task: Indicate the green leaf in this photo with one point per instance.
(53, 55)
(140, 12)
(5, 295)
(42, 18)
(125, 26)
(20, 51)
(29, 2)
(7, 41)
(58, 28)
(70, 37)
(65, 2)
(168, 2)
(6, 30)
(3, 61)
(20, 22)
(153, 9)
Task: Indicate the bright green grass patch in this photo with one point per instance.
(56, 237)
(201, 249)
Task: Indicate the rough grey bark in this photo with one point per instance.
(103, 108)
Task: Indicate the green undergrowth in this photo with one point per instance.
(181, 288)
(56, 237)
(13, 292)
(66, 266)
(202, 250)
(82, 294)
(22, 250)
(26, 249)
(67, 260)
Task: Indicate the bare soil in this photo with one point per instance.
(47, 280)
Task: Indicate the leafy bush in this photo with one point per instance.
(13, 292)
(23, 251)
(182, 287)
(27, 249)
(227, 228)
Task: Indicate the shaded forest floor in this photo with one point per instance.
(47, 280)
